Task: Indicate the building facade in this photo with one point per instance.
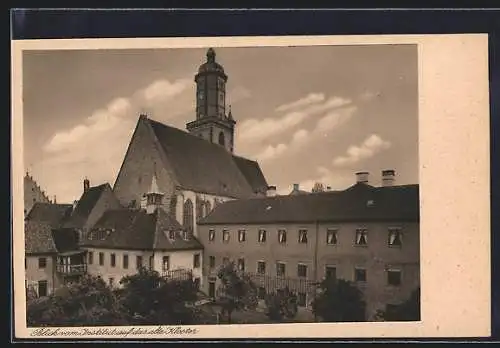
(367, 235)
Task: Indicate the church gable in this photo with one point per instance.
(201, 166)
(142, 160)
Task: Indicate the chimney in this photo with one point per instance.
(86, 185)
(296, 187)
(388, 177)
(271, 191)
(362, 177)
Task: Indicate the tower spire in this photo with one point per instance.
(154, 198)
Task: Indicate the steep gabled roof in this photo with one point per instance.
(52, 214)
(205, 167)
(252, 172)
(85, 206)
(359, 203)
(134, 229)
(38, 237)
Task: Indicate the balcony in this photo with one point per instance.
(71, 270)
(71, 263)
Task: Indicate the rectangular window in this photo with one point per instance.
(25, 263)
(331, 237)
(395, 239)
(282, 236)
(394, 277)
(196, 261)
(211, 261)
(42, 262)
(211, 289)
(125, 261)
(211, 235)
(225, 236)
(43, 288)
(262, 236)
(91, 257)
(241, 264)
(331, 272)
(138, 261)
(361, 236)
(261, 293)
(166, 263)
(241, 235)
(101, 259)
(261, 267)
(112, 260)
(197, 282)
(280, 269)
(360, 275)
(303, 236)
(302, 270)
(301, 299)
(151, 262)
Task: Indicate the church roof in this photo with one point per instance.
(133, 229)
(205, 167)
(359, 203)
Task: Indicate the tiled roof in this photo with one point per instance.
(205, 167)
(360, 202)
(52, 214)
(134, 229)
(85, 205)
(65, 239)
(38, 237)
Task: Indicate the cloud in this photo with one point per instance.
(96, 146)
(274, 151)
(334, 119)
(371, 146)
(256, 129)
(309, 99)
(162, 89)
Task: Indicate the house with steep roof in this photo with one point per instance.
(126, 239)
(95, 200)
(33, 193)
(365, 234)
(197, 169)
(43, 245)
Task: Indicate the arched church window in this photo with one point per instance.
(222, 139)
(187, 219)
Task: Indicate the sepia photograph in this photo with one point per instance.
(217, 185)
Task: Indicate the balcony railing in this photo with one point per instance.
(72, 269)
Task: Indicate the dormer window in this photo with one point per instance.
(370, 203)
(170, 234)
(185, 235)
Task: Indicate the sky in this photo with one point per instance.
(306, 114)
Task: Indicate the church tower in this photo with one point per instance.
(213, 122)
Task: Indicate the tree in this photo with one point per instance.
(236, 292)
(280, 304)
(88, 301)
(339, 301)
(149, 299)
(318, 187)
(409, 310)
